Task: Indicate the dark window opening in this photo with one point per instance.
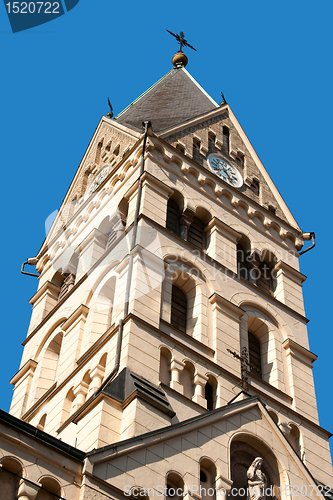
(254, 355)
(196, 233)
(209, 397)
(240, 159)
(226, 138)
(173, 216)
(178, 308)
(203, 477)
(254, 186)
(242, 262)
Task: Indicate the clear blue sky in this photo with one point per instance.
(272, 60)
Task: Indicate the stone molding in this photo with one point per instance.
(299, 352)
(80, 313)
(28, 368)
(226, 307)
(47, 288)
(224, 229)
(290, 272)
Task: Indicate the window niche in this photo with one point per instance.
(211, 392)
(226, 139)
(254, 355)
(178, 309)
(208, 479)
(165, 366)
(186, 379)
(174, 486)
(243, 253)
(174, 209)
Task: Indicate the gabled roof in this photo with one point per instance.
(175, 98)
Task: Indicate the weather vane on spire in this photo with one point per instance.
(181, 40)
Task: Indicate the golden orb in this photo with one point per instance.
(179, 59)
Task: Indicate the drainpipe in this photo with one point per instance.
(308, 237)
(115, 369)
(32, 261)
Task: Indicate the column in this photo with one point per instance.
(176, 368)
(199, 390)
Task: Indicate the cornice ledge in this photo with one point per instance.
(292, 273)
(48, 286)
(228, 231)
(30, 365)
(81, 311)
(299, 352)
(227, 306)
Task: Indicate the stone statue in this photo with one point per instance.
(257, 480)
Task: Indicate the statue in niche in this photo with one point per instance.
(257, 480)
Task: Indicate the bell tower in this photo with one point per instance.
(168, 339)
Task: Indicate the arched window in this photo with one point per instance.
(243, 451)
(123, 211)
(207, 479)
(178, 308)
(254, 355)
(174, 486)
(10, 473)
(266, 279)
(165, 370)
(243, 252)
(196, 235)
(49, 364)
(274, 416)
(65, 278)
(294, 439)
(211, 393)
(173, 216)
(68, 404)
(186, 379)
(50, 490)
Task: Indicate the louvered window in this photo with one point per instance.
(178, 309)
(196, 233)
(265, 280)
(173, 214)
(254, 355)
(242, 265)
(67, 285)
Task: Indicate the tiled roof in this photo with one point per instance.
(176, 98)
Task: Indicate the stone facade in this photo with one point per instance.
(112, 397)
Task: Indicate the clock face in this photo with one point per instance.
(99, 178)
(226, 172)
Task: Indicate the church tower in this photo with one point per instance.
(168, 344)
